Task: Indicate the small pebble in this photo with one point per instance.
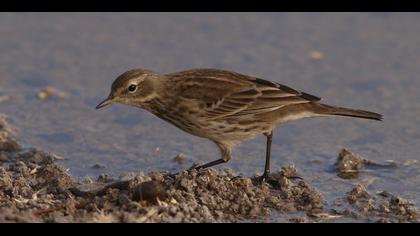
(316, 55)
(180, 159)
(5, 98)
(50, 92)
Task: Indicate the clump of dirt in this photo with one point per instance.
(33, 188)
(198, 196)
(349, 164)
(7, 141)
(97, 166)
(384, 207)
(31, 180)
(362, 205)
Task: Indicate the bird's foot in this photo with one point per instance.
(173, 175)
(262, 179)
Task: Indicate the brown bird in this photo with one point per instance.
(223, 106)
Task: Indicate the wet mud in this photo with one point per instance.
(34, 188)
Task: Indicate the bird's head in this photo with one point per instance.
(134, 88)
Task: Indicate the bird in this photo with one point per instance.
(223, 106)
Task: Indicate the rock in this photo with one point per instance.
(149, 191)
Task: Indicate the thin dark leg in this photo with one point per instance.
(225, 150)
(207, 165)
(213, 163)
(267, 155)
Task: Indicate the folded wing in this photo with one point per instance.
(224, 94)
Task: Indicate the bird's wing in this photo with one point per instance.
(222, 93)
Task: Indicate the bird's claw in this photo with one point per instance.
(262, 179)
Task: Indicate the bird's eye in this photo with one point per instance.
(132, 88)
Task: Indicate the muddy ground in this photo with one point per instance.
(34, 188)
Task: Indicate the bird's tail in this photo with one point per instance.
(323, 109)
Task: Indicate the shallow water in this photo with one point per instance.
(360, 60)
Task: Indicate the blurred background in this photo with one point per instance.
(56, 67)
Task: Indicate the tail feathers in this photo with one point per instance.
(324, 109)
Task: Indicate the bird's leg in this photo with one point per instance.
(225, 150)
(266, 174)
(207, 165)
(210, 164)
(268, 153)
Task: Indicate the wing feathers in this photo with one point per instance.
(226, 93)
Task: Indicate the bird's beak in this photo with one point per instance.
(105, 102)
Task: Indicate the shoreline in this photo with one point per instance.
(34, 188)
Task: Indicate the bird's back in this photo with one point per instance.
(224, 93)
